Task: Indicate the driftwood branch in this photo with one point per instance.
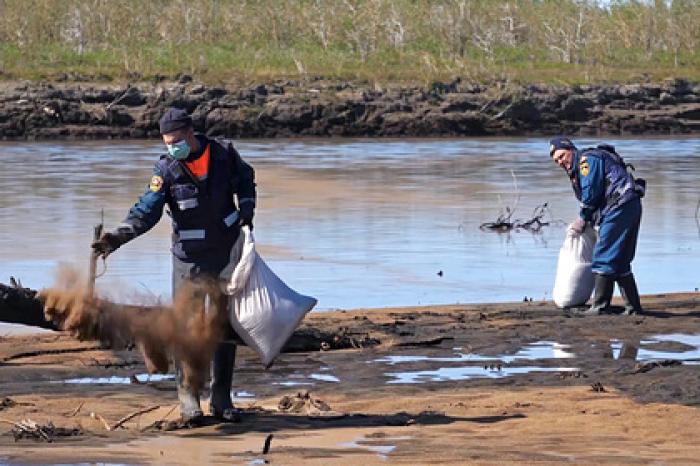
(504, 222)
(76, 410)
(29, 354)
(102, 420)
(47, 432)
(133, 415)
(533, 224)
(160, 422)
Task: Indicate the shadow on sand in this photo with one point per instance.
(272, 422)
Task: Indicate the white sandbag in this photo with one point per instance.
(264, 311)
(574, 282)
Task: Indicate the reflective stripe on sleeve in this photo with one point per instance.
(191, 234)
(126, 226)
(231, 218)
(246, 199)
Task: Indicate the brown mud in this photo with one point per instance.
(320, 108)
(601, 405)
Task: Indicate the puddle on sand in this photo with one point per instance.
(81, 464)
(298, 379)
(291, 383)
(381, 450)
(531, 352)
(114, 380)
(626, 350)
(325, 378)
(256, 461)
(449, 374)
(242, 396)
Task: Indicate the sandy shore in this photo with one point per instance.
(469, 384)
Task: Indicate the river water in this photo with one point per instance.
(355, 223)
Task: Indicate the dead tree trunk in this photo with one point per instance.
(20, 305)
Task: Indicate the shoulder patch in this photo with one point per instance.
(156, 183)
(584, 167)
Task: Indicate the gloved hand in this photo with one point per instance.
(245, 214)
(107, 244)
(578, 225)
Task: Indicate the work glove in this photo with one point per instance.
(578, 225)
(107, 244)
(245, 214)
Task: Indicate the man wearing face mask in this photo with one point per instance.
(198, 180)
(610, 198)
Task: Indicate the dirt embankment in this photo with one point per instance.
(332, 108)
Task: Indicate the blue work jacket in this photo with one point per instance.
(203, 211)
(601, 182)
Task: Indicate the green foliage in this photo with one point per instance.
(416, 40)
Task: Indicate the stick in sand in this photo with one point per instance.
(133, 415)
(92, 276)
(266, 446)
(100, 418)
(76, 410)
(159, 421)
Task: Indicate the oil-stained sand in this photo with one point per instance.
(599, 401)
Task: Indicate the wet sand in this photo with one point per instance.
(461, 384)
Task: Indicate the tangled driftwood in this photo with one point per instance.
(46, 432)
(505, 222)
(534, 224)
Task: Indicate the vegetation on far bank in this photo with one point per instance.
(521, 41)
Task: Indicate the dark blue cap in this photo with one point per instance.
(173, 120)
(560, 142)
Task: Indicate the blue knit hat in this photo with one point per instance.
(560, 142)
(173, 120)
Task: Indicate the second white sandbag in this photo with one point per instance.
(574, 282)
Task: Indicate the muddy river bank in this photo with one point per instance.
(319, 107)
(487, 383)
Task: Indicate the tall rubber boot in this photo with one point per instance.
(190, 410)
(604, 285)
(630, 294)
(220, 403)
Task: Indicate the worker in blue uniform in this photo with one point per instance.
(199, 179)
(610, 198)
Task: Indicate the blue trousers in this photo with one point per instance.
(617, 240)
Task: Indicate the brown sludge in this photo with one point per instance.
(187, 332)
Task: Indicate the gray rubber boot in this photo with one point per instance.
(604, 285)
(630, 294)
(190, 410)
(220, 404)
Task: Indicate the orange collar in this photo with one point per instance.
(200, 166)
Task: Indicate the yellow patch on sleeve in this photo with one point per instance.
(583, 167)
(156, 183)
